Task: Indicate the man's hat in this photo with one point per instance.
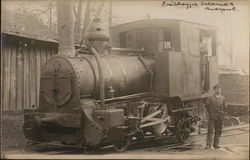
(217, 86)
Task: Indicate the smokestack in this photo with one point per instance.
(65, 26)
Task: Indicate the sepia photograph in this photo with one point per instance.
(125, 79)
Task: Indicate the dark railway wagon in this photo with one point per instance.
(98, 95)
(235, 85)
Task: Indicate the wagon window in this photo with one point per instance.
(122, 36)
(126, 39)
(164, 39)
(145, 39)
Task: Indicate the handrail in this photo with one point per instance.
(101, 78)
(128, 50)
(127, 97)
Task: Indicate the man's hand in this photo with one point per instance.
(222, 113)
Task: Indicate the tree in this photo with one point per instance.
(77, 29)
(86, 18)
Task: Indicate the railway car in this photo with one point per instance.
(235, 85)
(152, 81)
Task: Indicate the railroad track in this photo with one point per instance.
(190, 143)
(150, 143)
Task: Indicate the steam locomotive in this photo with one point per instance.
(98, 95)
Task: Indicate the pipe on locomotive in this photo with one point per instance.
(98, 36)
(101, 78)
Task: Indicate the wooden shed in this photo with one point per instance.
(26, 46)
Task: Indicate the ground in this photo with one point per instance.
(12, 134)
(235, 145)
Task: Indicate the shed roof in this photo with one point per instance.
(26, 26)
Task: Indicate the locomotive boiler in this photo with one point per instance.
(63, 77)
(98, 95)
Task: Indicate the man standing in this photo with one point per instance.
(215, 107)
(204, 73)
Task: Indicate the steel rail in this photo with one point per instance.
(166, 146)
(176, 145)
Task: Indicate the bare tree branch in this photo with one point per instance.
(86, 17)
(78, 15)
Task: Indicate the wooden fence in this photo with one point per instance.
(21, 62)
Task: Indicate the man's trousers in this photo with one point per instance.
(217, 125)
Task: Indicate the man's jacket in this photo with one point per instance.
(216, 107)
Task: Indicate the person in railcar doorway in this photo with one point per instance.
(215, 106)
(204, 63)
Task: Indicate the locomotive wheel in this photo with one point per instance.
(122, 144)
(92, 134)
(182, 131)
(234, 120)
(30, 128)
(119, 138)
(159, 129)
(140, 135)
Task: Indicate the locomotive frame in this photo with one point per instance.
(161, 95)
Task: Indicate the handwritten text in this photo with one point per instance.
(207, 5)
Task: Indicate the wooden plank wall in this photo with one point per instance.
(21, 63)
